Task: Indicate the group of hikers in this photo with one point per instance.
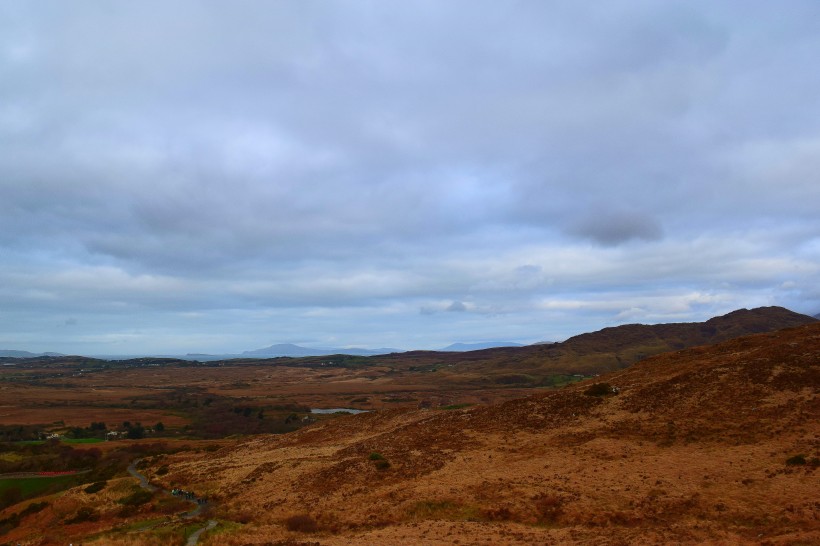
(187, 495)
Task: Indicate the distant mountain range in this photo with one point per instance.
(611, 348)
(461, 347)
(289, 349)
(24, 354)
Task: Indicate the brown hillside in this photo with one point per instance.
(592, 353)
(680, 335)
(624, 345)
(692, 449)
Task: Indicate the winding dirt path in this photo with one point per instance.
(145, 484)
(194, 537)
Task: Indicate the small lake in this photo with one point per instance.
(336, 410)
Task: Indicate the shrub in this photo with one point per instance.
(549, 507)
(163, 470)
(599, 389)
(126, 511)
(379, 461)
(382, 464)
(433, 509)
(797, 460)
(456, 406)
(137, 498)
(86, 513)
(9, 523)
(33, 508)
(302, 523)
(136, 432)
(497, 514)
(95, 487)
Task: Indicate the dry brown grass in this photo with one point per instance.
(691, 450)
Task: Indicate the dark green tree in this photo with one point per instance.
(136, 432)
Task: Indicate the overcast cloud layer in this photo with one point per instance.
(221, 176)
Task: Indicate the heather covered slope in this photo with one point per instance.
(638, 340)
(693, 448)
(619, 346)
(591, 353)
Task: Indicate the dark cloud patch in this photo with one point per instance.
(611, 228)
(456, 307)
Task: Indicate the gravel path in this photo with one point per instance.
(194, 538)
(145, 484)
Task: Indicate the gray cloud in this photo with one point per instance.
(205, 165)
(610, 227)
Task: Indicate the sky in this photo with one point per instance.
(220, 176)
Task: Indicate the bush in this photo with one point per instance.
(127, 511)
(382, 464)
(33, 508)
(797, 460)
(136, 432)
(456, 406)
(302, 523)
(549, 507)
(137, 498)
(379, 461)
(86, 513)
(95, 487)
(497, 514)
(163, 470)
(9, 523)
(599, 389)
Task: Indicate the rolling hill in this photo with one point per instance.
(289, 349)
(463, 347)
(714, 444)
(592, 353)
(24, 354)
(706, 444)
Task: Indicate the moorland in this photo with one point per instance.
(693, 432)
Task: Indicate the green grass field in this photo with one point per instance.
(31, 487)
